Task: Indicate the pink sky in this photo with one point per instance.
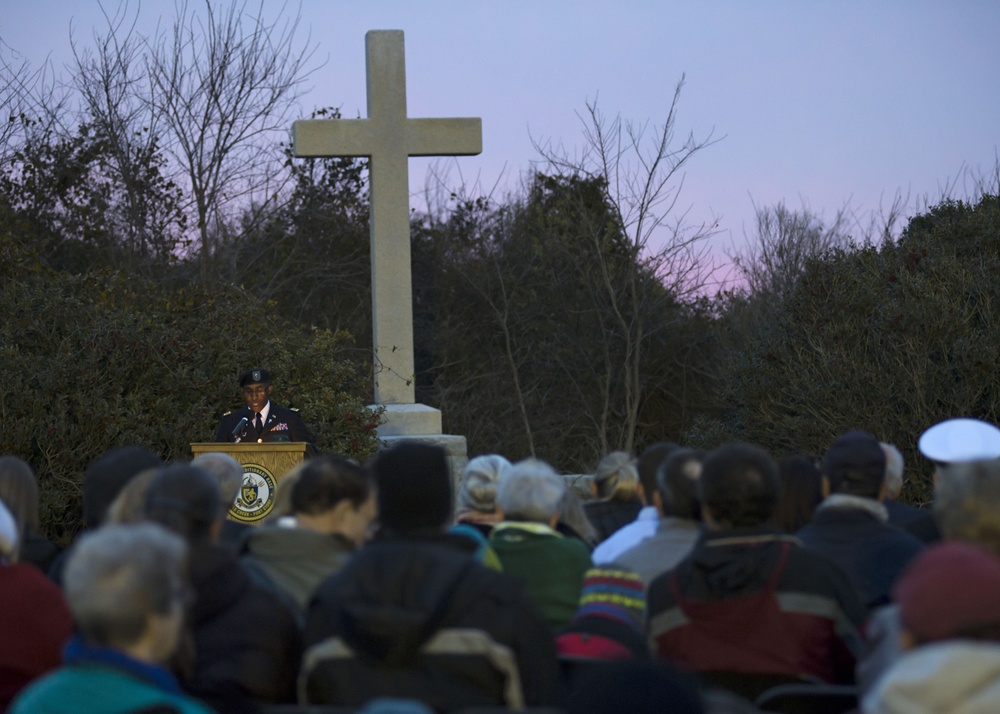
(816, 102)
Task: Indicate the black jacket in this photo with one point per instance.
(421, 619)
(609, 516)
(246, 641)
(872, 554)
(282, 424)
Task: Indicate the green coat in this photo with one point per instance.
(551, 565)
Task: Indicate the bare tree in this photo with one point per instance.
(30, 100)
(641, 169)
(225, 82)
(784, 241)
(118, 103)
(15, 82)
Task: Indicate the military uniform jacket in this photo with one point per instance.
(282, 424)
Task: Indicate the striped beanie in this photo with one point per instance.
(614, 592)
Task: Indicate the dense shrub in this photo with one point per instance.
(890, 340)
(101, 359)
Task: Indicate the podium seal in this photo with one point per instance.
(256, 496)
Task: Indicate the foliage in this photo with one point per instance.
(311, 255)
(82, 209)
(103, 359)
(518, 336)
(784, 242)
(890, 339)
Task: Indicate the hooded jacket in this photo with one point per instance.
(754, 601)
(419, 618)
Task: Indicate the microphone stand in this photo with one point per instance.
(240, 432)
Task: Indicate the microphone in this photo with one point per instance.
(240, 429)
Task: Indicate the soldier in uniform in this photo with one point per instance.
(266, 421)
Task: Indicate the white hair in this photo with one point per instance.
(478, 488)
(118, 575)
(893, 469)
(530, 490)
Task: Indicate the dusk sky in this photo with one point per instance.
(813, 101)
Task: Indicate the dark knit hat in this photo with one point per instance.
(855, 464)
(949, 590)
(413, 487)
(107, 476)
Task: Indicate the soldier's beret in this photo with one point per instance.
(255, 376)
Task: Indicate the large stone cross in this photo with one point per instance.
(389, 138)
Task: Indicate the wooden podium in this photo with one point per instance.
(264, 465)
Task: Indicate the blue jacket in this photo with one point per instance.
(98, 680)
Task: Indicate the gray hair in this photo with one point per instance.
(19, 490)
(530, 490)
(478, 488)
(227, 472)
(617, 477)
(118, 575)
(571, 513)
(893, 469)
(967, 502)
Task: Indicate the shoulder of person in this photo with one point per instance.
(576, 547)
(814, 571)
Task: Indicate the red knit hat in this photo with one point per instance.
(949, 589)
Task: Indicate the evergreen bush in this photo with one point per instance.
(888, 339)
(102, 359)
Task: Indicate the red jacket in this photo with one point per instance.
(752, 601)
(33, 629)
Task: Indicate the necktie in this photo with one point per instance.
(257, 424)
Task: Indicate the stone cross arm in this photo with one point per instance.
(365, 137)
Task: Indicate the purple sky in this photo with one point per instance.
(815, 101)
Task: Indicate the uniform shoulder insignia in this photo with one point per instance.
(294, 409)
(228, 413)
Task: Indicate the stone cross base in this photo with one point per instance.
(409, 420)
(419, 422)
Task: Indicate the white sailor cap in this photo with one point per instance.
(957, 440)
(8, 532)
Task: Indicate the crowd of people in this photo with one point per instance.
(683, 581)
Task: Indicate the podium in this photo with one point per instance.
(264, 465)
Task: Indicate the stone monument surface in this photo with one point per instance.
(388, 137)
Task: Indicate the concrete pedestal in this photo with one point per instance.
(419, 422)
